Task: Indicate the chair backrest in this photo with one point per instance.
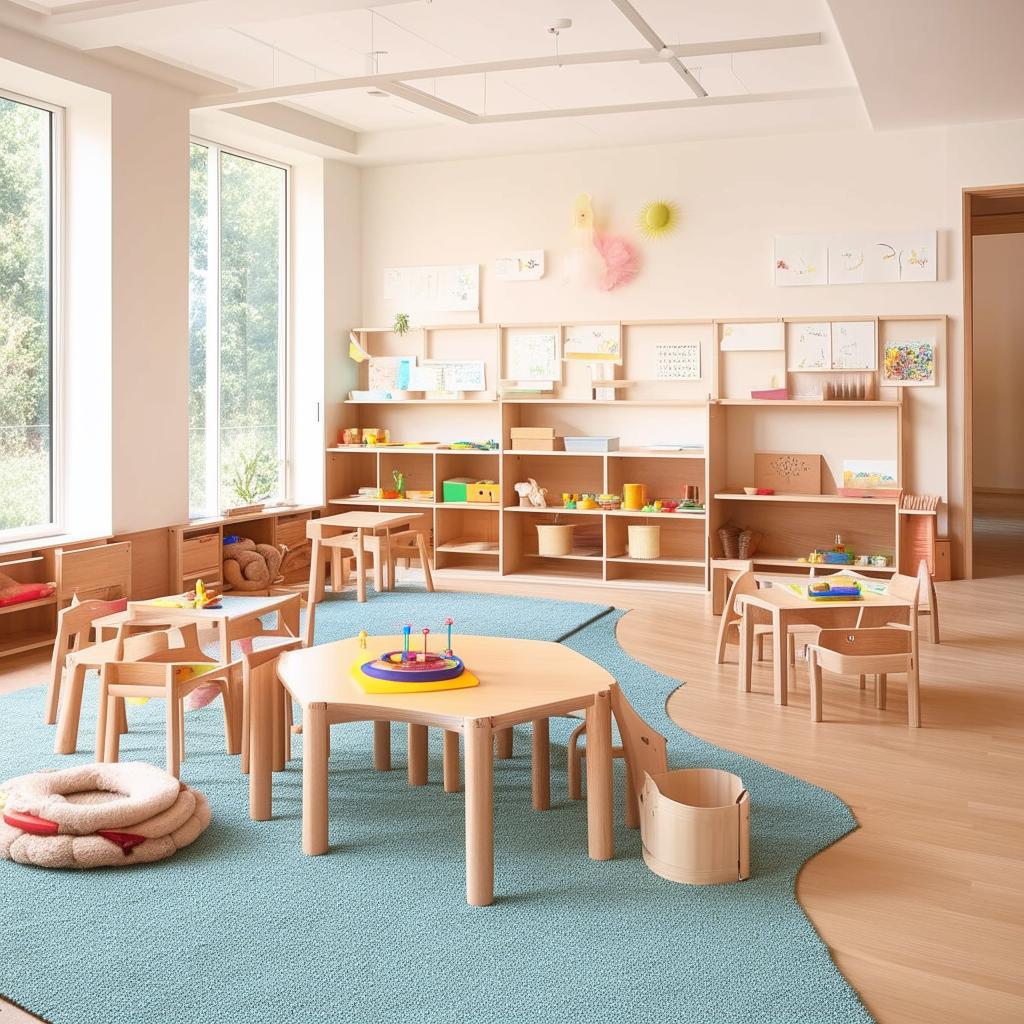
(252, 660)
(906, 588)
(645, 749)
(745, 583)
(103, 571)
(74, 623)
(865, 642)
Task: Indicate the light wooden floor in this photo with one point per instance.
(923, 906)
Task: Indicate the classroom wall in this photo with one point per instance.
(127, 275)
(998, 362)
(734, 195)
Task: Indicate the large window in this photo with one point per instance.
(237, 277)
(28, 193)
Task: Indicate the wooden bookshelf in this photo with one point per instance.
(714, 421)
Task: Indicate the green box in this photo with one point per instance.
(456, 488)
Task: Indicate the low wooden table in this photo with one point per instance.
(520, 681)
(361, 523)
(783, 608)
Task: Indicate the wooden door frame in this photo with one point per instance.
(969, 231)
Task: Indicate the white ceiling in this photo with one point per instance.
(265, 45)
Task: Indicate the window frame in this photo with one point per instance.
(213, 304)
(57, 269)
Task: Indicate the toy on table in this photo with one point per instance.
(407, 671)
(198, 598)
(362, 639)
(838, 588)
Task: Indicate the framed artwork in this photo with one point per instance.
(854, 346)
(678, 361)
(442, 289)
(870, 474)
(788, 472)
(801, 260)
(900, 256)
(593, 343)
(846, 263)
(909, 363)
(810, 347)
(533, 356)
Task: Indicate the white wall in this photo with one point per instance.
(126, 266)
(734, 195)
(998, 362)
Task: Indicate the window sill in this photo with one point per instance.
(49, 541)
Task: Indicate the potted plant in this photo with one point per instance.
(401, 324)
(253, 479)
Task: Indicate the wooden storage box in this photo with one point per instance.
(537, 439)
(201, 553)
(695, 826)
(291, 530)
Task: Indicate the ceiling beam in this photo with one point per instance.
(424, 99)
(634, 17)
(379, 81)
(91, 10)
(636, 108)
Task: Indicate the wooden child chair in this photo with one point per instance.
(171, 674)
(881, 651)
(729, 627)
(645, 752)
(406, 545)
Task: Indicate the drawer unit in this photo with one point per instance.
(201, 553)
(291, 530)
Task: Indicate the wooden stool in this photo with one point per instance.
(377, 545)
(163, 676)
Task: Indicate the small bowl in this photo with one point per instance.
(750, 490)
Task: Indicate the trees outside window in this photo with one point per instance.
(236, 329)
(28, 175)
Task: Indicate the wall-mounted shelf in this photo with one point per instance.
(648, 415)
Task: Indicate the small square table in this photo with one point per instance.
(782, 607)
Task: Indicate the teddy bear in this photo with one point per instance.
(251, 566)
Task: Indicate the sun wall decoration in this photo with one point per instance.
(658, 218)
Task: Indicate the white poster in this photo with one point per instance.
(533, 356)
(810, 347)
(853, 345)
(459, 375)
(679, 361)
(443, 289)
(753, 337)
(801, 260)
(593, 343)
(520, 266)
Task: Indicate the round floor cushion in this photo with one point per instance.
(98, 815)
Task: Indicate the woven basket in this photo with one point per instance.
(729, 537)
(748, 543)
(644, 541)
(554, 540)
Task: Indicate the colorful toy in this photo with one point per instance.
(838, 588)
(531, 495)
(362, 639)
(399, 478)
(198, 598)
(406, 671)
(587, 502)
(123, 814)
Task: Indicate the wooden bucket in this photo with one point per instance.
(554, 540)
(695, 826)
(644, 541)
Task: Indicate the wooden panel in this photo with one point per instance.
(151, 569)
(291, 530)
(788, 473)
(103, 571)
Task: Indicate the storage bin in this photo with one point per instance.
(634, 496)
(695, 826)
(554, 540)
(538, 439)
(591, 444)
(484, 491)
(644, 541)
(457, 488)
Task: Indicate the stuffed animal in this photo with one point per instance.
(251, 566)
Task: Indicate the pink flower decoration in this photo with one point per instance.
(621, 260)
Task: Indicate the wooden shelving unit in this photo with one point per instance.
(714, 418)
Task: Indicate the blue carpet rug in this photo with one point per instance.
(241, 927)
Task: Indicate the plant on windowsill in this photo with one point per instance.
(253, 480)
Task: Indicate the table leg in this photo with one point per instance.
(451, 762)
(289, 616)
(261, 777)
(541, 765)
(382, 746)
(224, 636)
(315, 591)
(746, 630)
(503, 743)
(599, 778)
(417, 755)
(360, 568)
(70, 711)
(479, 813)
(276, 716)
(314, 779)
(780, 665)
